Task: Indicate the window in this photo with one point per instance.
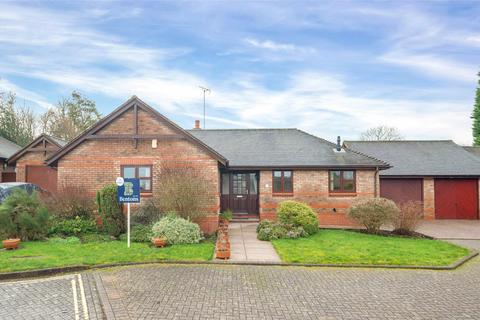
(282, 182)
(144, 173)
(225, 183)
(342, 181)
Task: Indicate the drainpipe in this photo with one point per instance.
(376, 180)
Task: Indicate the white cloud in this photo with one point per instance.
(433, 66)
(275, 46)
(67, 53)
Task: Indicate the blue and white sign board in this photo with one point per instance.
(128, 191)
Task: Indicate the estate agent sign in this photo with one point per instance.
(128, 191)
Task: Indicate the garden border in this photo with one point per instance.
(77, 268)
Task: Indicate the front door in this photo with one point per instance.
(240, 192)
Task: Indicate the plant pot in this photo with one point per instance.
(223, 254)
(159, 242)
(10, 244)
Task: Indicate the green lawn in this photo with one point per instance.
(39, 254)
(346, 247)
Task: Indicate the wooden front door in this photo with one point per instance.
(240, 192)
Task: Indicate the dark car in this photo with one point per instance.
(7, 188)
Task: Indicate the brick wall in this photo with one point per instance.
(95, 163)
(312, 188)
(33, 158)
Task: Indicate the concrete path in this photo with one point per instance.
(246, 247)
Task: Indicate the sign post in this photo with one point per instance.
(128, 191)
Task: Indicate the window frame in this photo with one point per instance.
(282, 182)
(342, 181)
(137, 174)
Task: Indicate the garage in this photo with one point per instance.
(456, 198)
(43, 176)
(401, 189)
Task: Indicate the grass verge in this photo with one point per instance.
(347, 247)
(41, 255)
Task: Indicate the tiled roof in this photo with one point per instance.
(420, 158)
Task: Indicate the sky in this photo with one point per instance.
(329, 68)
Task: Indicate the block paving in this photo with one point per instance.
(270, 292)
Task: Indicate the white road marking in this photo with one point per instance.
(75, 301)
(84, 300)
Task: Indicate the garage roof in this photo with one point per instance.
(280, 148)
(420, 157)
(7, 148)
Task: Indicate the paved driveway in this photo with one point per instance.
(266, 292)
(63, 297)
(451, 229)
(462, 232)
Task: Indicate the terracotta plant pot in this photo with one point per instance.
(10, 244)
(159, 242)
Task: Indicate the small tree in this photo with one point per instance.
(17, 124)
(23, 216)
(70, 117)
(476, 116)
(113, 220)
(373, 213)
(381, 133)
(185, 191)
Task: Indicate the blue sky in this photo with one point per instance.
(330, 68)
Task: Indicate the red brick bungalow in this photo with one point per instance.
(30, 165)
(249, 171)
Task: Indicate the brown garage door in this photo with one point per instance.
(401, 190)
(8, 177)
(43, 176)
(456, 198)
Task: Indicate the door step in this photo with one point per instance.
(245, 218)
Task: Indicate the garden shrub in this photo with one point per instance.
(147, 213)
(263, 224)
(70, 202)
(139, 233)
(113, 219)
(73, 227)
(177, 230)
(23, 215)
(405, 221)
(226, 215)
(299, 215)
(373, 213)
(185, 190)
(268, 230)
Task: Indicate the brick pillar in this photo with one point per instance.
(428, 198)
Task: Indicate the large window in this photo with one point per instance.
(282, 182)
(144, 173)
(342, 181)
